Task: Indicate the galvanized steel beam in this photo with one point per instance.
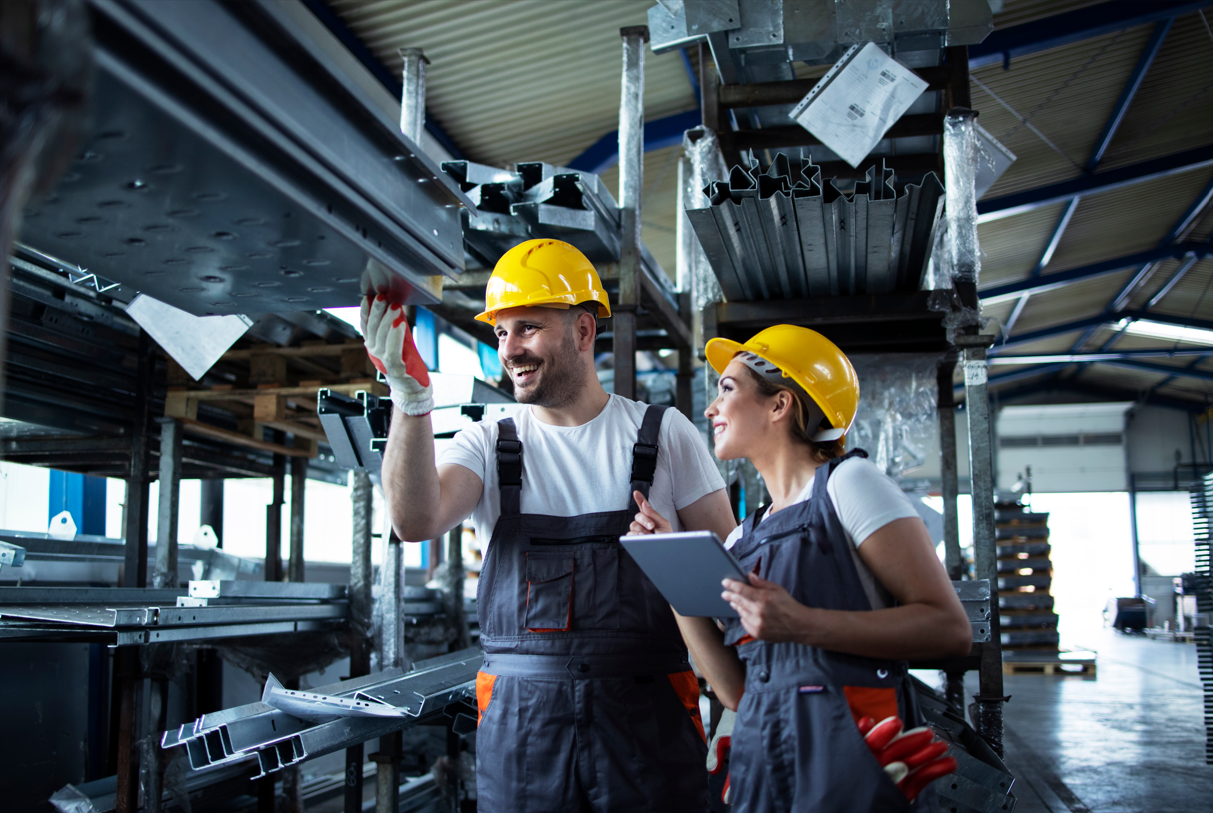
(631, 190)
(170, 498)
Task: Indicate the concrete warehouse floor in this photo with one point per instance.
(1130, 739)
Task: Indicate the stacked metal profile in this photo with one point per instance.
(1025, 576)
(1202, 528)
(442, 685)
(981, 782)
(138, 616)
(538, 200)
(785, 234)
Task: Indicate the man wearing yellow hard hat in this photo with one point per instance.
(586, 696)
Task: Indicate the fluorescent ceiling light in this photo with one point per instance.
(1162, 330)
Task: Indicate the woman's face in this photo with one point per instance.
(740, 416)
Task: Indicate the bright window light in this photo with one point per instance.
(1162, 330)
(351, 315)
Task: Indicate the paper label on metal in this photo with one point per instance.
(975, 373)
(851, 109)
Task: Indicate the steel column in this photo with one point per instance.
(152, 755)
(391, 596)
(360, 622)
(1133, 534)
(631, 188)
(273, 518)
(211, 512)
(165, 574)
(136, 506)
(948, 469)
(412, 95)
(987, 718)
(298, 484)
(387, 777)
(452, 593)
(129, 722)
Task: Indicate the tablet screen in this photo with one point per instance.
(687, 569)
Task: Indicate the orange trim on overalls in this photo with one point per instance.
(686, 686)
(484, 693)
(879, 704)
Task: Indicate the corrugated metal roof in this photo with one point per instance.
(538, 80)
(524, 80)
(1173, 109)
(1017, 12)
(1065, 93)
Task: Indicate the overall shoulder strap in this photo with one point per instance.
(509, 467)
(644, 451)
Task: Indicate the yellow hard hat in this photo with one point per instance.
(542, 272)
(811, 360)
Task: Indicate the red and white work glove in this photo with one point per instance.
(389, 343)
(718, 756)
(913, 759)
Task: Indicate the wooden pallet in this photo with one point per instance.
(1049, 666)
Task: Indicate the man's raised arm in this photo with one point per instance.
(422, 502)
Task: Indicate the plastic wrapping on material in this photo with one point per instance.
(960, 168)
(70, 800)
(897, 417)
(707, 166)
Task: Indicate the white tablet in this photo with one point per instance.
(687, 568)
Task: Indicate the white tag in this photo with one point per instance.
(975, 373)
(851, 108)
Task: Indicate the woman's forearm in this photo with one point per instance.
(718, 663)
(910, 631)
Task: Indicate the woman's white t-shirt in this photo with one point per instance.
(865, 500)
(572, 470)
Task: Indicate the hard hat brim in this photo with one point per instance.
(604, 307)
(719, 352)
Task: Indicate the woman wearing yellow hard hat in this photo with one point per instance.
(845, 586)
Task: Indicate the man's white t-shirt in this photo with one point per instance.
(572, 470)
(865, 500)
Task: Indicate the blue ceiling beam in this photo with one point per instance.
(1071, 27)
(357, 47)
(1086, 390)
(1092, 323)
(1163, 369)
(1049, 282)
(1114, 355)
(1129, 91)
(1106, 181)
(1184, 268)
(658, 134)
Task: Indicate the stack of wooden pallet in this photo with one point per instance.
(1025, 578)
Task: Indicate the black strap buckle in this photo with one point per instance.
(644, 462)
(509, 462)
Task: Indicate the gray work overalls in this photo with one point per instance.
(796, 746)
(586, 696)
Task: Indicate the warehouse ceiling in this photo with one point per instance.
(538, 80)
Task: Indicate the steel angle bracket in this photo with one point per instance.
(229, 150)
(356, 427)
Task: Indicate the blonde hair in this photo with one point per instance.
(823, 451)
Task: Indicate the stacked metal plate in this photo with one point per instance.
(784, 234)
(536, 200)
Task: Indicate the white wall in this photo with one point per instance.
(1074, 447)
(1155, 435)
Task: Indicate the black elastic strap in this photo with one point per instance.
(509, 467)
(644, 451)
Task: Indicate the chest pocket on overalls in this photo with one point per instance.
(549, 593)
